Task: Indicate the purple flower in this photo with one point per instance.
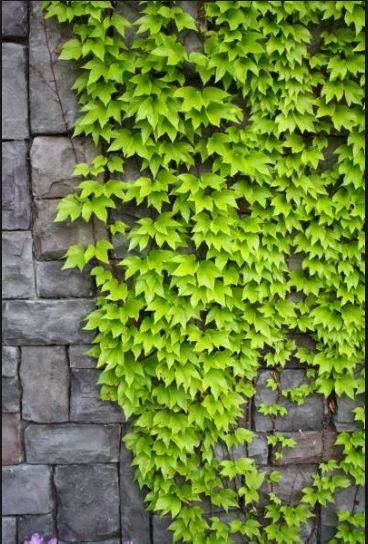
(36, 538)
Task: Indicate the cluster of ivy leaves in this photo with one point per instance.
(233, 138)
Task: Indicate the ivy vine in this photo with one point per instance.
(230, 136)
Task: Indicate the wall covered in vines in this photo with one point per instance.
(227, 207)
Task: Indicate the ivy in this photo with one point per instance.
(232, 141)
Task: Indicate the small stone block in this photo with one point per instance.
(27, 490)
(11, 439)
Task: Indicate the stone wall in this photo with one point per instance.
(65, 470)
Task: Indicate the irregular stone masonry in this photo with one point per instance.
(65, 469)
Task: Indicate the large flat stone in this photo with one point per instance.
(14, 92)
(51, 239)
(307, 417)
(311, 447)
(135, 521)
(17, 267)
(53, 160)
(9, 529)
(85, 403)
(14, 20)
(45, 322)
(27, 490)
(67, 444)
(344, 417)
(10, 395)
(293, 479)
(53, 282)
(16, 198)
(44, 375)
(9, 360)
(351, 498)
(90, 509)
(48, 114)
(11, 440)
(44, 525)
(79, 359)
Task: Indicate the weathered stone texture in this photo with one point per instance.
(9, 530)
(53, 160)
(293, 479)
(307, 417)
(258, 449)
(9, 359)
(44, 525)
(45, 40)
(79, 359)
(14, 20)
(68, 443)
(16, 198)
(11, 439)
(52, 240)
(14, 92)
(350, 499)
(10, 395)
(161, 533)
(311, 447)
(44, 375)
(53, 282)
(27, 490)
(17, 266)
(45, 322)
(344, 417)
(135, 522)
(85, 404)
(90, 509)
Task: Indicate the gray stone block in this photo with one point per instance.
(108, 541)
(345, 499)
(11, 439)
(53, 282)
(85, 403)
(9, 529)
(14, 19)
(221, 452)
(45, 322)
(293, 479)
(344, 417)
(307, 417)
(14, 92)
(161, 533)
(67, 444)
(44, 525)
(9, 367)
(16, 198)
(79, 359)
(51, 240)
(27, 490)
(135, 521)
(10, 395)
(17, 267)
(44, 375)
(53, 160)
(258, 449)
(45, 40)
(88, 502)
(311, 447)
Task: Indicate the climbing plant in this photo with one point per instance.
(231, 144)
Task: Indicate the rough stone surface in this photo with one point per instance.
(345, 499)
(344, 418)
(10, 395)
(293, 479)
(89, 510)
(161, 533)
(307, 417)
(46, 114)
(44, 376)
(53, 282)
(14, 92)
(45, 322)
(9, 530)
(17, 267)
(27, 525)
(67, 444)
(258, 449)
(311, 447)
(14, 21)
(79, 359)
(53, 160)
(9, 358)
(135, 522)
(27, 490)
(16, 199)
(52, 240)
(85, 404)
(11, 439)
